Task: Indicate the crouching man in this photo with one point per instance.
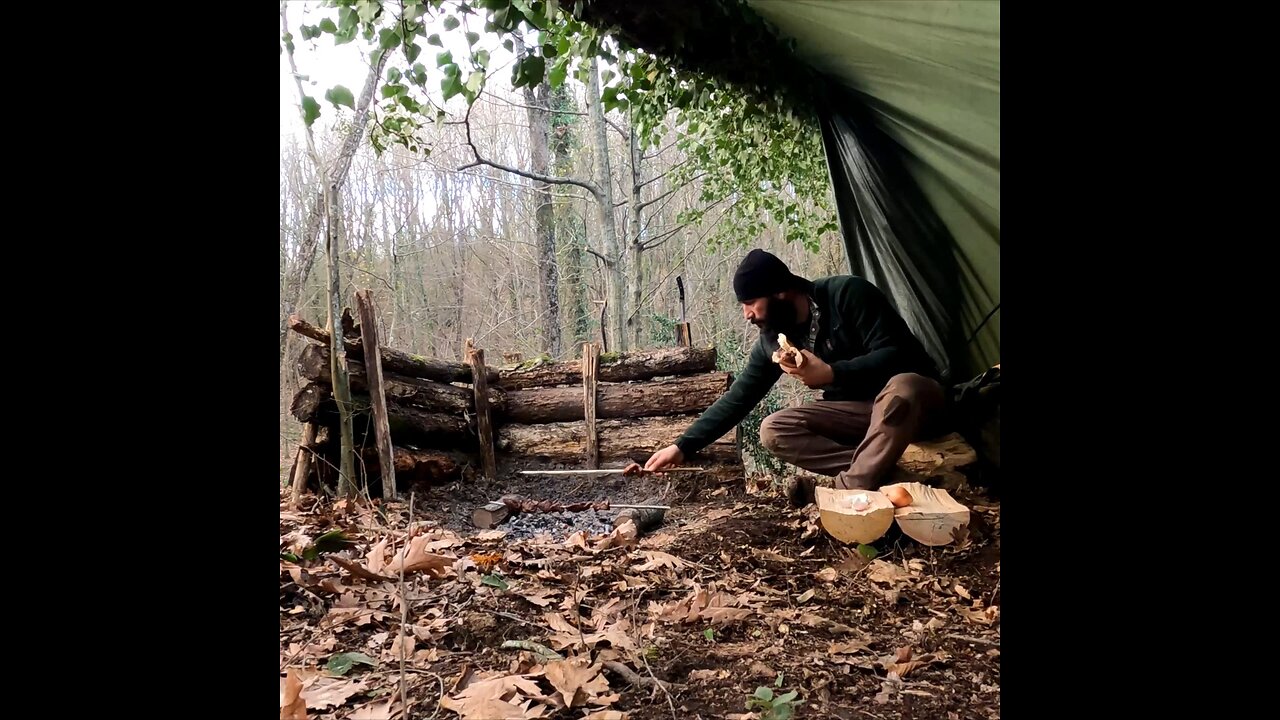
(881, 390)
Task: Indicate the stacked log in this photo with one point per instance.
(643, 401)
(426, 414)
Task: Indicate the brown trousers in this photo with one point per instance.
(857, 442)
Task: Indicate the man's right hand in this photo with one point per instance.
(664, 458)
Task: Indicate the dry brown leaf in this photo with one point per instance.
(817, 621)
(847, 648)
(606, 715)
(374, 711)
(542, 597)
(292, 704)
(576, 680)
(827, 575)
(340, 616)
(357, 569)
(484, 700)
(557, 622)
(720, 514)
(962, 592)
(805, 596)
(625, 535)
(771, 555)
(402, 646)
(708, 675)
(578, 540)
(489, 535)
(981, 616)
(326, 692)
(657, 559)
(376, 560)
(417, 559)
(887, 573)
(760, 669)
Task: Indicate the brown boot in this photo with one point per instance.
(800, 491)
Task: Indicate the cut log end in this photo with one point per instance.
(944, 454)
(490, 515)
(854, 516)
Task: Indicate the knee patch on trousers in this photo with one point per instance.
(769, 433)
(896, 410)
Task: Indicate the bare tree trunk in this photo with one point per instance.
(613, 258)
(536, 103)
(296, 279)
(332, 177)
(635, 280)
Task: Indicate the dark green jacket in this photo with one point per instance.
(858, 333)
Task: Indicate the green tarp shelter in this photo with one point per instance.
(925, 74)
(911, 128)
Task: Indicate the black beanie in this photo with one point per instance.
(761, 274)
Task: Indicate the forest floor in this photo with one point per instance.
(734, 593)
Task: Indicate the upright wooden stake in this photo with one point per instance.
(590, 368)
(484, 423)
(684, 335)
(302, 467)
(377, 397)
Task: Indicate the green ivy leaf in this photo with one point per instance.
(444, 58)
(339, 95)
(481, 58)
(369, 10)
(451, 85)
(472, 38)
(474, 81)
(558, 73)
(327, 26)
(495, 581)
(709, 634)
(434, 39)
(388, 38)
(530, 71)
(390, 91)
(310, 32)
(310, 110)
(347, 20)
(451, 23)
(510, 46)
(763, 693)
(412, 52)
(342, 663)
(868, 552)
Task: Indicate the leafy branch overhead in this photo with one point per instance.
(750, 139)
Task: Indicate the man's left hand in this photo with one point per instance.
(814, 372)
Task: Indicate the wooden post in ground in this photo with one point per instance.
(484, 422)
(377, 397)
(590, 368)
(684, 335)
(302, 467)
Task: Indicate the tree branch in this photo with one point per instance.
(617, 127)
(550, 180)
(659, 198)
(607, 261)
(655, 242)
(656, 154)
(667, 172)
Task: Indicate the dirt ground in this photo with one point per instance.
(735, 592)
